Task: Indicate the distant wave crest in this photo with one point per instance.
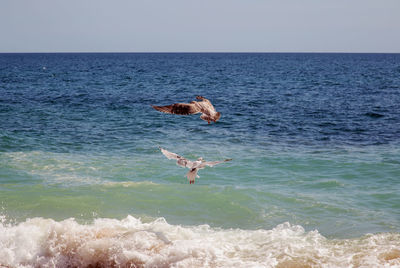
(129, 242)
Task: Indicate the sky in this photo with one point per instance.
(200, 26)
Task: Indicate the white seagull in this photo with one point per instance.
(204, 106)
(194, 166)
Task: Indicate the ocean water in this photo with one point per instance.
(314, 180)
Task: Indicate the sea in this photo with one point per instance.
(314, 179)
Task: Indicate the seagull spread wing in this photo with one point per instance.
(179, 108)
(205, 104)
(207, 109)
(212, 163)
(170, 155)
(180, 161)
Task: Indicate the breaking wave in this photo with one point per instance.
(129, 242)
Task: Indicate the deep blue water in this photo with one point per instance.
(315, 141)
(73, 102)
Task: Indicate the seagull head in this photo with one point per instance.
(200, 159)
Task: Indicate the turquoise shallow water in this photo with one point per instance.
(317, 190)
(315, 172)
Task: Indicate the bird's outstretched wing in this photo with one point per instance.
(202, 98)
(213, 163)
(179, 108)
(181, 161)
(207, 109)
(205, 105)
(170, 155)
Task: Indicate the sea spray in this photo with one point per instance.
(132, 243)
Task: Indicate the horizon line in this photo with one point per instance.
(195, 52)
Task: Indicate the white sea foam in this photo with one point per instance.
(59, 168)
(129, 242)
(129, 183)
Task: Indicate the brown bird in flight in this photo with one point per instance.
(204, 106)
(194, 166)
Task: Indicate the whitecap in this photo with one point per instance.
(130, 242)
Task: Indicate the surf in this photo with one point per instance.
(131, 242)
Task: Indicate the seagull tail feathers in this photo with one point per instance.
(192, 174)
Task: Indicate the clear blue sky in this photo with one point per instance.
(200, 26)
